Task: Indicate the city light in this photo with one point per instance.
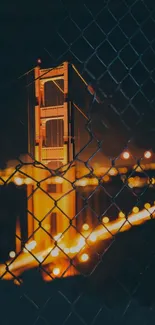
(84, 257)
(126, 155)
(55, 252)
(56, 271)
(18, 181)
(12, 254)
(40, 259)
(106, 178)
(135, 210)
(121, 214)
(147, 206)
(147, 154)
(85, 227)
(113, 172)
(58, 180)
(105, 220)
(31, 245)
(28, 181)
(66, 250)
(58, 237)
(82, 182)
(92, 237)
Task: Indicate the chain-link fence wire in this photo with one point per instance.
(112, 46)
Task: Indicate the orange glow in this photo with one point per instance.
(85, 227)
(28, 261)
(58, 237)
(84, 257)
(12, 254)
(28, 181)
(106, 178)
(56, 271)
(105, 220)
(126, 155)
(147, 154)
(135, 210)
(93, 181)
(47, 226)
(82, 182)
(18, 181)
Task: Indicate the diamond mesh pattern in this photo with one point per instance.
(108, 277)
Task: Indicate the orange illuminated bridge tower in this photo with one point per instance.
(50, 142)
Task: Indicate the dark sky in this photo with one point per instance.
(116, 52)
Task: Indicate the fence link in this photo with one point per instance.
(83, 251)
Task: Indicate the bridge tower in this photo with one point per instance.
(50, 141)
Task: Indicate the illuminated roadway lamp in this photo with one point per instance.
(85, 227)
(135, 210)
(55, 252)
(113, 172)
(12, 254)
(40, 259)
(147, 206)
(18, 181)
(92, 238)
(82, 182)
(121, 214)
(56, 271)
(105, 220)
(147, 154)
(125, 155)
(66, 250)
(84, 257)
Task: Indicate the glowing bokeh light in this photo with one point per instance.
(12, 254)
(58, 237)
(85, 227)
(18, 181)
(113, 172)
(121, 214)
(105, 220)
(84, 257)
(106, 178)
(58, 180)
(56, 271)
(40, 259)
(55, 252)
(147, 154)
(28, 181)
(66, 250)
(135, 210)
(92, 237)
(147, 205)
(126, 155)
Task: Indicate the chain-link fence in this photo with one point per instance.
(77, 233)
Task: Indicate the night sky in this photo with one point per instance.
(124, 31)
